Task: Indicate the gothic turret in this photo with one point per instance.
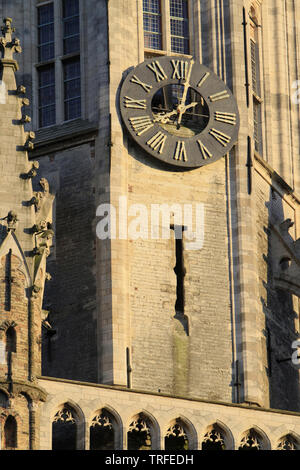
(25, 240)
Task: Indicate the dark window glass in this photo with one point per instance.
(72, 92)
(46, 95)
(46, 32)
(71, 26)
(152, 24)
(10, 433)
(257, 125)
(179, 26)
(11, 340)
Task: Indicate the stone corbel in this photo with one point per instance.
(32, 172)
(29, 145)
(25, 119)
(286, 258)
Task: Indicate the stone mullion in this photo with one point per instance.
(248, 331)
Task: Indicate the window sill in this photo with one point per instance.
(158, 52)
(63, 136)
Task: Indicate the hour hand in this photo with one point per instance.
(164, 117)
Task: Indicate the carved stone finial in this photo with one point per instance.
(7, 29)
(8, 45)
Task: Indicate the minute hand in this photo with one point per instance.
(187, 84)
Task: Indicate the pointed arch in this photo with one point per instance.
(217, 436)
(10, 433)
(289, 441)
(11, 340)
(68, 428)
(143, 432)
(105, 429)
(254, 439)
(180, 435)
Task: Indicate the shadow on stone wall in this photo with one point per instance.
(281, 321)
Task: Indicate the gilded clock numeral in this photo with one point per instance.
(203, 79)
(158, 71)
(145, 86)
(222, 138)
(180, 69)
(205, 152)
(180, 151)
(219, 96)
(157, 142)
(228, 118)
(132, 103)
(141, 124)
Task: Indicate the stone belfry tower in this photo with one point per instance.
(25, 239)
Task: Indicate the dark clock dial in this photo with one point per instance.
(179, 111)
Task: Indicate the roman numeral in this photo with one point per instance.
(157, 142)
(141, 124)
(220, 137)
(205, 152)
(228, 118)
(219, 96)
(203, 79)
(132, 103)
(180, 152)
(180, 69)
(158, 71)
(145, 86)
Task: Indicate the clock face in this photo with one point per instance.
(179, 111)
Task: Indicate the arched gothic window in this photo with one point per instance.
(176, 438)
(102, 433)
(11, 340)
(64, 429)
(139, 434)
(251, 441)
(288, 443)
(10, 433)
(213, 440)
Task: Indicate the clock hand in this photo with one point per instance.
(184, 94)
(181, 109)
(164, 117)
(186, 84)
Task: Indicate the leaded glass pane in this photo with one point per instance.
(152, 24)
(72, 89)
(179, 25)
(46, 77)
(46, 32)
(71, 26)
